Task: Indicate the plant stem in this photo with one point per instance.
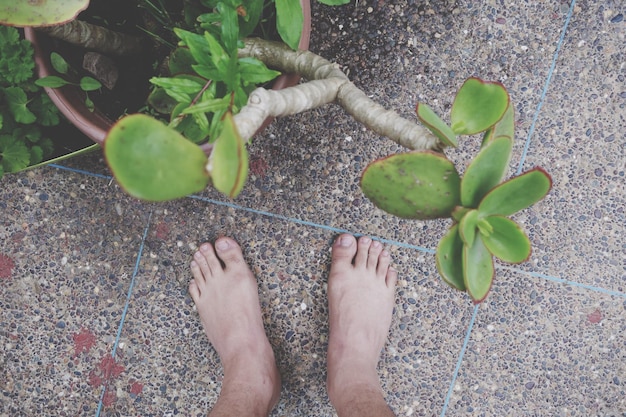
(96, 38)
(327, 84)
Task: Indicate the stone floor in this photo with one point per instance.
(95, 319)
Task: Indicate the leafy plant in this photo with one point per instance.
(62, 67)
(24, 107)
(426, 185)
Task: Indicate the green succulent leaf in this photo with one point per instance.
(438, 127)
(505, 127)
(40, 13)
(449, 259)
(486, 171)
(516, 194)
(508, 241)
(152, 161)
(229, 159)
(477, 106)
(467, 227)
(478, 270)
(289, 21)
(416, 185)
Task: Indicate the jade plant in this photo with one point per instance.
(426, 185)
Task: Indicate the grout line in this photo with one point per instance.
(383, 240)
(564, 281)
(308, 223)
(460, 360)
(545, 88)
(80, 171)
(126, 305)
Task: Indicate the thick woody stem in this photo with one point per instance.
(327, 84)
(96, 38)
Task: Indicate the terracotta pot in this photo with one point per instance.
(95, 125)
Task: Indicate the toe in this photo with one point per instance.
(383, 262)
(229, 252)
(208, 261)
(374, 253)
(344, 250)
(360, 260)
(392, 277)
(194, 291)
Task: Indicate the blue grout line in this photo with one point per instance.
(564, 281)
(545, 88)
(460, 360)
(80, 171)
(126, 305)
(308, 223)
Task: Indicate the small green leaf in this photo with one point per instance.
(208, 106)
(51, 81)
(153, 162)
(59, 64)
(181, 61)
(484, 227)
(89, 84)
(289, 21)
(486, 171)
(415, 185)
(186, 84)
(449, 259)
(477, 106)
(438, 127)
(17, 100)
(508, 241)
(516, 194)
(219, 57)
(467, 227)
(253, 12)
(160, 101)
(478, 270)
(229, 26)
(505, 127)
(36, 155)
(229, 160)
(197, 46)
(254, 71)
(89, 104)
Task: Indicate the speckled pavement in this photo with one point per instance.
(95, 319)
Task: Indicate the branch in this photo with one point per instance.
(96, 38)
(327, 84)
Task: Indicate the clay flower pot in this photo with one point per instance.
(94, 124)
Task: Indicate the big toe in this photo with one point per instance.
(344, 250)
(229, 252)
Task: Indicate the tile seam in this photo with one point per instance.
(545, 88)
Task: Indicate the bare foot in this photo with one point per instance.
(226, 295)
(361, 296)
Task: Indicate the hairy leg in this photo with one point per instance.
(361, 295)
(226, 295)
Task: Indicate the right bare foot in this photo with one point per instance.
(361, 297)
(226, 295)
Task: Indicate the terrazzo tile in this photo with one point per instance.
(541, 348)
(165, 350)
(579, 228)
(71, 242)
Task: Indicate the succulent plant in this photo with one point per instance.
(40, 13)
(426, 185)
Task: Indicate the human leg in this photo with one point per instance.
(226, 295)
(361, 295)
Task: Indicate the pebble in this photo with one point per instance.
(618, 18)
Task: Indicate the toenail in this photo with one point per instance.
(365, 240)
(204, 248)
(385, 252)
(376, 244)
(222, 244)
(345, 242)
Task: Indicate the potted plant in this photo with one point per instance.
(153, 160)
(55, 19)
